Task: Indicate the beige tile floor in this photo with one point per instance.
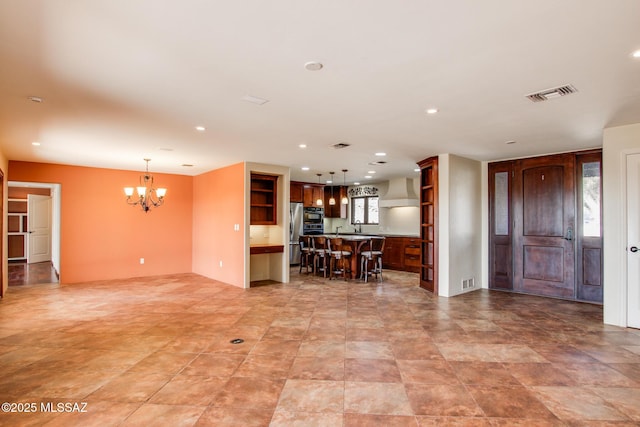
(157, 351)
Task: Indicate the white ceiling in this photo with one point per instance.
(123, 80)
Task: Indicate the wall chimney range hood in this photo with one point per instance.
(400, 193)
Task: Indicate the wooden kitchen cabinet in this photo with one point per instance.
(393, 253)
(402, 253)
(296, 192)
(338, 210)
(311, 193)
(264, 206)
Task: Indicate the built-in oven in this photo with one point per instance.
(312, 221)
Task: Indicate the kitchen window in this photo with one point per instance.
(364, 210)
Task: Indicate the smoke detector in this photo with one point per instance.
(552, 93)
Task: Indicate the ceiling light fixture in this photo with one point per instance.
(356, 183)
(254, 100)
(345, 199)
(510, 142)
(332, 200)
(36, 99)
(636, 54)
(313, 66)
(381, 154)
(148, 196)
(302, 145)
(432, 110)
(368, 176)
(200, 128)
(36, 143)
(416, 170)
(305, 168)
(319, 200)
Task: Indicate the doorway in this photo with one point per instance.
(33, 233)
(633, 240)
(545, 226)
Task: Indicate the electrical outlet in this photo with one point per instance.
(141, 260)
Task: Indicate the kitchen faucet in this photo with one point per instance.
(359, 224)
(338, 230)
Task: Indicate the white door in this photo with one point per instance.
(633, 240)
(39, 213)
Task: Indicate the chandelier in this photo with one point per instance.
(148, 196)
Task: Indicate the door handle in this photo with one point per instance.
(634, 249)
(569, 235)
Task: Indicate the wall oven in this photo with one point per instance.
(312, 221)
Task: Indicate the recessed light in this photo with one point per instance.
(187, 165)
(368, 176)
(200, 128)
(636, 54)
(35, 99)
(371, 172)
(510, 142)
(416, 170)
(313, 66)
(302, 145)
(432, 110)
(37, 144)
(329, 181)
(381, 154)
(356, 183)
(305, 168)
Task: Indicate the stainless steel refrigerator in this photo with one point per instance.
(295, 230)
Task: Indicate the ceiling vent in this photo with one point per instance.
(556, 92)
(339, 145)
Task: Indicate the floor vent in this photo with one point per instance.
(555, 92)
(468, 283)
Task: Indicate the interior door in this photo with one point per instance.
(633, 240)
(544, 226)
(39, 219)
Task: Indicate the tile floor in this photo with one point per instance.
(157, 351)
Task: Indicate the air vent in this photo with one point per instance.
(340, 145)
(380, 162)
(547, 94)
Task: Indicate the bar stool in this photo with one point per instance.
(339, 258)
(320, 254)
(306, 253)
(372, 256)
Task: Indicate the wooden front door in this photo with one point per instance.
(544, 226)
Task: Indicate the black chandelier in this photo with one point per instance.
(148, 196)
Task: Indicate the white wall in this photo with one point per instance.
(617, 143)
(460, 239)
(276, 264)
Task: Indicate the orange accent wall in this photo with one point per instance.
(218, 204)
(102, 237)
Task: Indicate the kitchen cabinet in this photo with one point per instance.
(402, 253)
(338, 210)
(264, 206)
(311, 193)
(296, 192)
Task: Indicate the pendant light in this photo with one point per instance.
(345, 199)
(319, 201)
(332, 200)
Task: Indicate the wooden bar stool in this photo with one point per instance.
(339, 258)
(371, 259)
(320, 255)
(306, 253)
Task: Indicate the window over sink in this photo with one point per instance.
(364, 210)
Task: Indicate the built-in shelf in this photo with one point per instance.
(264, 200)
(17, 229)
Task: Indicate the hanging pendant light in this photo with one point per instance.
(148, 195)
(332, 200)
(319, 200)
(345, 199)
